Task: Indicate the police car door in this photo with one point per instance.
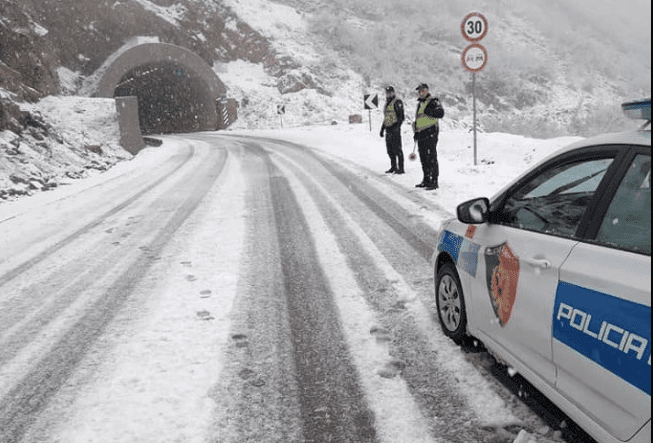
(602, 315)
(531, 234)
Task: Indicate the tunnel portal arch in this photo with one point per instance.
(161, 74)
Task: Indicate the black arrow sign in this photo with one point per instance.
(371, 101)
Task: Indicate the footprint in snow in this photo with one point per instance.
(240, 339)
(251, 377)
(381, 334)
(393, 368)
(205, 315)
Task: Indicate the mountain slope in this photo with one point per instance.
(553, 67)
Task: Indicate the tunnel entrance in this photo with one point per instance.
(177, 90)
(170, 97)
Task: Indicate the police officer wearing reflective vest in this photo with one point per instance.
(393, 117)
(426, 130)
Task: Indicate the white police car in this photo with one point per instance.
(553, 275)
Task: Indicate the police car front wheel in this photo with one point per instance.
(450, 303)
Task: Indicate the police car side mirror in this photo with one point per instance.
(474, 211)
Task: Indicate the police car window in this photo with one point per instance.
(627, 223)
(554, 201)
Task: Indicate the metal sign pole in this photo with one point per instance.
(281, 109)
(474, 57)
(370, 101)
(474, 105)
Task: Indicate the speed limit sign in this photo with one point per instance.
(474, 26)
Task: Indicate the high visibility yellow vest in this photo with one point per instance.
(423, 121)
(390, 115)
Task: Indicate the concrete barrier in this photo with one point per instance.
(131, 137)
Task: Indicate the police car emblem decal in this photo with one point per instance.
(502, 276)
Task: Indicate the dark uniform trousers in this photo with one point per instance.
(428, 155)
(395, 151)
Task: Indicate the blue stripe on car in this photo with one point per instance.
(468, 259)
(613, 332)
(450, 243)
(463, 252)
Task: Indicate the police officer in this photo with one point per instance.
(426, 130)
(393, 117)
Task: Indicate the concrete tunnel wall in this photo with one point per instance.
(153, 53)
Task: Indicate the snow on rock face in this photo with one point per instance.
(27, 66)
(172, 14)
(56, 140)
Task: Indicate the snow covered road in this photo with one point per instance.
(234, 289)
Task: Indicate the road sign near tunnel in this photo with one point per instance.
(371, 101)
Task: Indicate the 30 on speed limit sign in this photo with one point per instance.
(474, 26)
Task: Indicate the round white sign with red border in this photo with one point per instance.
(474, 57)
(474, 26)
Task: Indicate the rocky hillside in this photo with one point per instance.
(49, 48)
(42, 40)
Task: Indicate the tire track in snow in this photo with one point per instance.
(46, 297)
(333, 405)
(12, 273)
(257, 394)
(487, 405)
(20, 405)
(151, 378)
(290, 308)
(398, 418)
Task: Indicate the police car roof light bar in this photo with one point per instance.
(638, 110)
